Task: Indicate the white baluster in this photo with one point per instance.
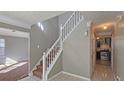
(44, 67)
(54, 51)
(48, 60)
(64, 32)
(75, 18)
(78, 16)
(50, 57)
(67, 30)
(74, 21)
(61, 36)
(61, 32)
(69, 26)
(71, 23)
(52, 54)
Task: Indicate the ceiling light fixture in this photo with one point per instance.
(97, 38)
(104, 27)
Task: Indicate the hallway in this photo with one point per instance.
(102, 73)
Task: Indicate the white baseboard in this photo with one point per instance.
(54, 76)
(84, 78)
(78, 76)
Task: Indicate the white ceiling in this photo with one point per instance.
(100, 17)
(26, 18)
(15, 33)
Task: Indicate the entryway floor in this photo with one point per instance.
(103, 73)
(31, 78)
(66, 77)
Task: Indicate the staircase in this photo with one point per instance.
(50, 57)
(38, 71)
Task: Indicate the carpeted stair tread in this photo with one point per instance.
(37, 73)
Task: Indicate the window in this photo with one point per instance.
(2, 50)
(2, 43)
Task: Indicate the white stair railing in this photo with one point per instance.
(50, 57)
(71, 24)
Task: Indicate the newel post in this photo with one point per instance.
(44, 67)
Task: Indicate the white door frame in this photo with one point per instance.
(29, 53)
(17, 33)
(113, 49)
(92, 49)
(93, 55)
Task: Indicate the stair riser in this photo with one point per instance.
(40, 68)
(38, 76)
(37, 73)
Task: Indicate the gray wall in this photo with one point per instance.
(73, 46)
(59, 66)
(44, 39)
(119, 52)
(16, 48)
(76, 52)
(64, 17)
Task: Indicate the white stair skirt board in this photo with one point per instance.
(74, 75)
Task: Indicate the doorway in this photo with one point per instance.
(102, 53)
(14, 54)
